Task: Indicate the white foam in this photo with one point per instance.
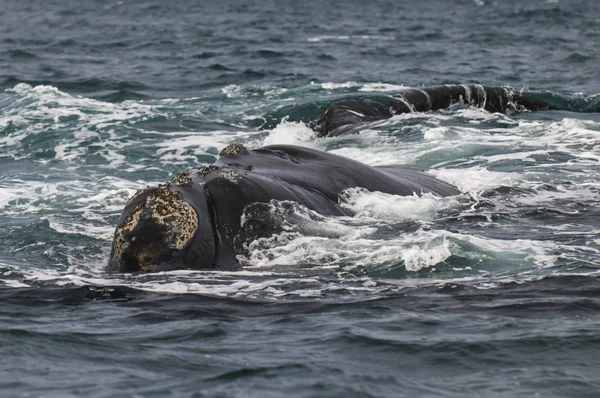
(186, 147)
(387, 207)
(48, 102)
(435, 134)
(383, 87)
(291, 133)
(22, 193)
(475, 115)
(416, 251)
(318, 39)
(70, 124)
(102, 232)
(364, 87)
(358, 247)
(342, 241)
(476, 179)
(374, 156)
(231, 90)
(334, 86)
(541, 254)
(422, 250)
(416, 258)
(236, 91)
(13, 283)
(563, 194)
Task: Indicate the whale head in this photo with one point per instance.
(165, 228)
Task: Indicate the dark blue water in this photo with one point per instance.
(493, 292)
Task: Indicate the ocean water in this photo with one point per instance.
(494, 292)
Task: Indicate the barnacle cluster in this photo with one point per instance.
(165, 208)
(233, 149)
(231, 175)
(182, 179)
(204, 170)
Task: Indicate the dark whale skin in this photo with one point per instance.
(219, 193)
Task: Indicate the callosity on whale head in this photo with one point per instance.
(165, 228)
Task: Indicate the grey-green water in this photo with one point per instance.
(493, 292)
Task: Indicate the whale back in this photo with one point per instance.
(329, 174)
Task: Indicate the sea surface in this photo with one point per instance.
(491, 293)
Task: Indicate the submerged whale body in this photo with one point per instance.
(344, 116)
(192, 221)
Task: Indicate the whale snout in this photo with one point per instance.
(154, 234)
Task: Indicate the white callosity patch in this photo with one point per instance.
(166, 208)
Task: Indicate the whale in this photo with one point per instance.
(347, 115)
(192, 221)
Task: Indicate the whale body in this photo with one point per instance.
(346, 115)
(193, 221)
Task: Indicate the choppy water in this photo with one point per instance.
(493, 292)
